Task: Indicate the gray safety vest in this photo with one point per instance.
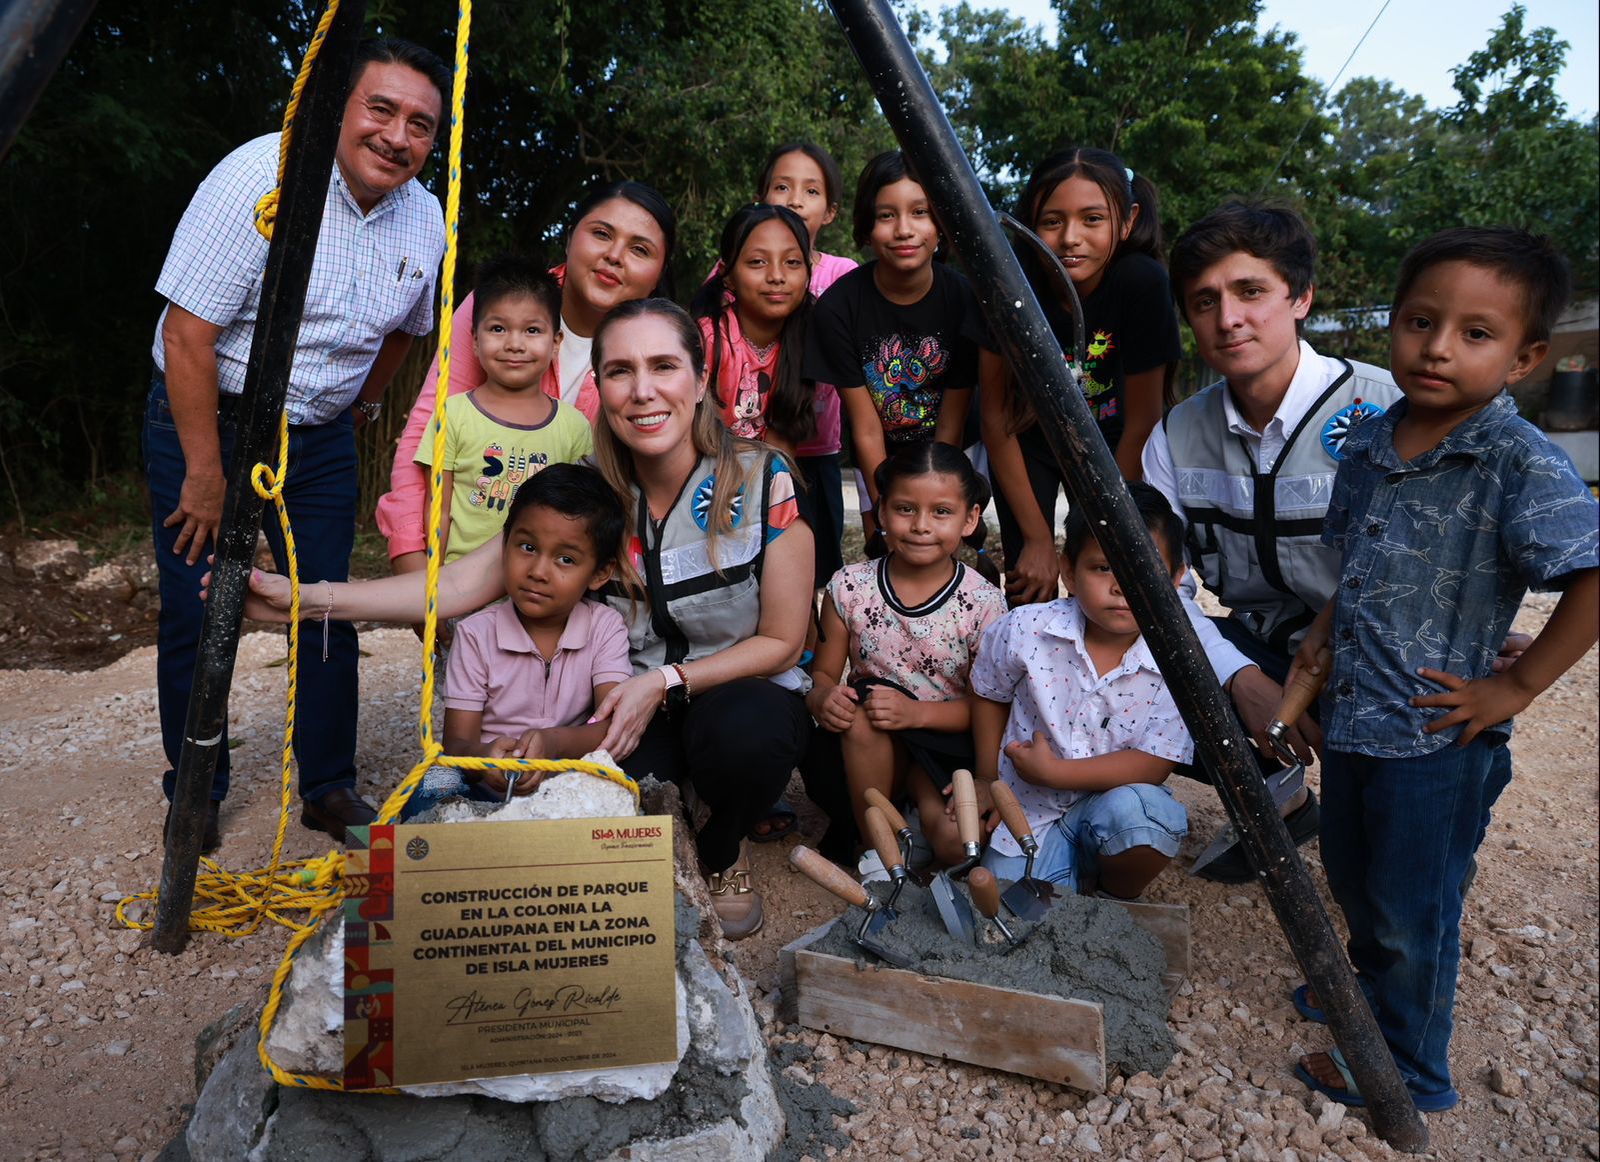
(693, 610)
(1256, 537)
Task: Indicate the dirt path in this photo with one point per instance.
(96, 1032)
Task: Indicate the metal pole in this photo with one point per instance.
(34, 38)
(1095, 484)
(283, 292)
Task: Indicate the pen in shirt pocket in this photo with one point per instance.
(401, 274)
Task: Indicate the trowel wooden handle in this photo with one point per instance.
(965, 797)
(1005, 801)
(883, 839)
(829, 875)
(1302, 690)
(985, 891)
(876, 798)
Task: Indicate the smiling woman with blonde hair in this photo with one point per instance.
(723, 563)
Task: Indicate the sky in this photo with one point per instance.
(1412, 45)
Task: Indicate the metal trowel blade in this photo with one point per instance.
(954, 911)
(1029, 899)
(1283, 784)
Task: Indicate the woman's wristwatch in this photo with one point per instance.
(677, 690)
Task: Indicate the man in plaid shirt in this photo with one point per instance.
(371, 291)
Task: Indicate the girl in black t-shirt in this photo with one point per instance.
(898, 336)
(1102, 221)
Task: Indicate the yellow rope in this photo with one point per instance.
(266, 212)
(299, 894)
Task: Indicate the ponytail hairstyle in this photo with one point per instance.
(648, 199)
(707, 433)
(1131, 197)
(832, 179)
(936, 459)
(790, 413)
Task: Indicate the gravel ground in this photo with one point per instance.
(97, 1032)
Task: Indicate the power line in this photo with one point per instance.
(1326, 96)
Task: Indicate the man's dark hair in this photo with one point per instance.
(1276, 234)
(1154, 510)
(510, 275)
(1528, 261)
(392, 50)
(580, 492)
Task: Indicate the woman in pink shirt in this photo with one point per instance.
(618, 249)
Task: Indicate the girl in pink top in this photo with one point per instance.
(618, 250)
(805, 178)
(752, 317)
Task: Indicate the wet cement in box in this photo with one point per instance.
(1084, 948)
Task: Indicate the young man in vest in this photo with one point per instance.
(1249, 462)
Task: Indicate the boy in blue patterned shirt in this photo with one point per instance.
(1446, 509)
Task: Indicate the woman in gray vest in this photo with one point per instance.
(717, 593)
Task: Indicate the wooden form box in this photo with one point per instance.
(1052, 1038)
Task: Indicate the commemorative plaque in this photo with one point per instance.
(494, 949)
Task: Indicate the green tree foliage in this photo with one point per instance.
(686, 96)
(1508, 152)
(1188, 92)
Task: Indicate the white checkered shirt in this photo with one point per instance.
(373, 274)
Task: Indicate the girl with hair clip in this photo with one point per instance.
(909, 626)
(618, 249)
(899, 336)
(753, 317)
(1103, 221)
(806, 178)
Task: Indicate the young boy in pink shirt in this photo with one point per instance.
(525, 675)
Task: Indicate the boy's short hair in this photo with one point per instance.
(511, 275)
(580, 492)
(1524, 258)
(1276, 233)
(1154, 510)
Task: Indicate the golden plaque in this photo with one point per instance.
(495, 949)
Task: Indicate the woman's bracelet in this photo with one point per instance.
(326, 614)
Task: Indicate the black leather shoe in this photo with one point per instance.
(1232, 867)
(335, 811)
(210, 839)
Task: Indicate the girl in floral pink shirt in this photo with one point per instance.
(909, 624)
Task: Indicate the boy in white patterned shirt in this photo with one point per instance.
(1072, 713)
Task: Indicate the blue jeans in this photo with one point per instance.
(1397, 837)
(321, 493)
(1103, 823)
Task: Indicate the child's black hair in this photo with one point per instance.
(580, 492)
(1154, 510)
(884, 170)
(832, 179)
(1277, 234)
(790, 413)
(1528, 261)
(1124, 190)
(935, 459)
(508, 276)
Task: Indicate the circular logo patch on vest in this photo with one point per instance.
(1343, 422)
(701, 505)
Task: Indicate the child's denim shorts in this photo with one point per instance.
(1103, 823)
